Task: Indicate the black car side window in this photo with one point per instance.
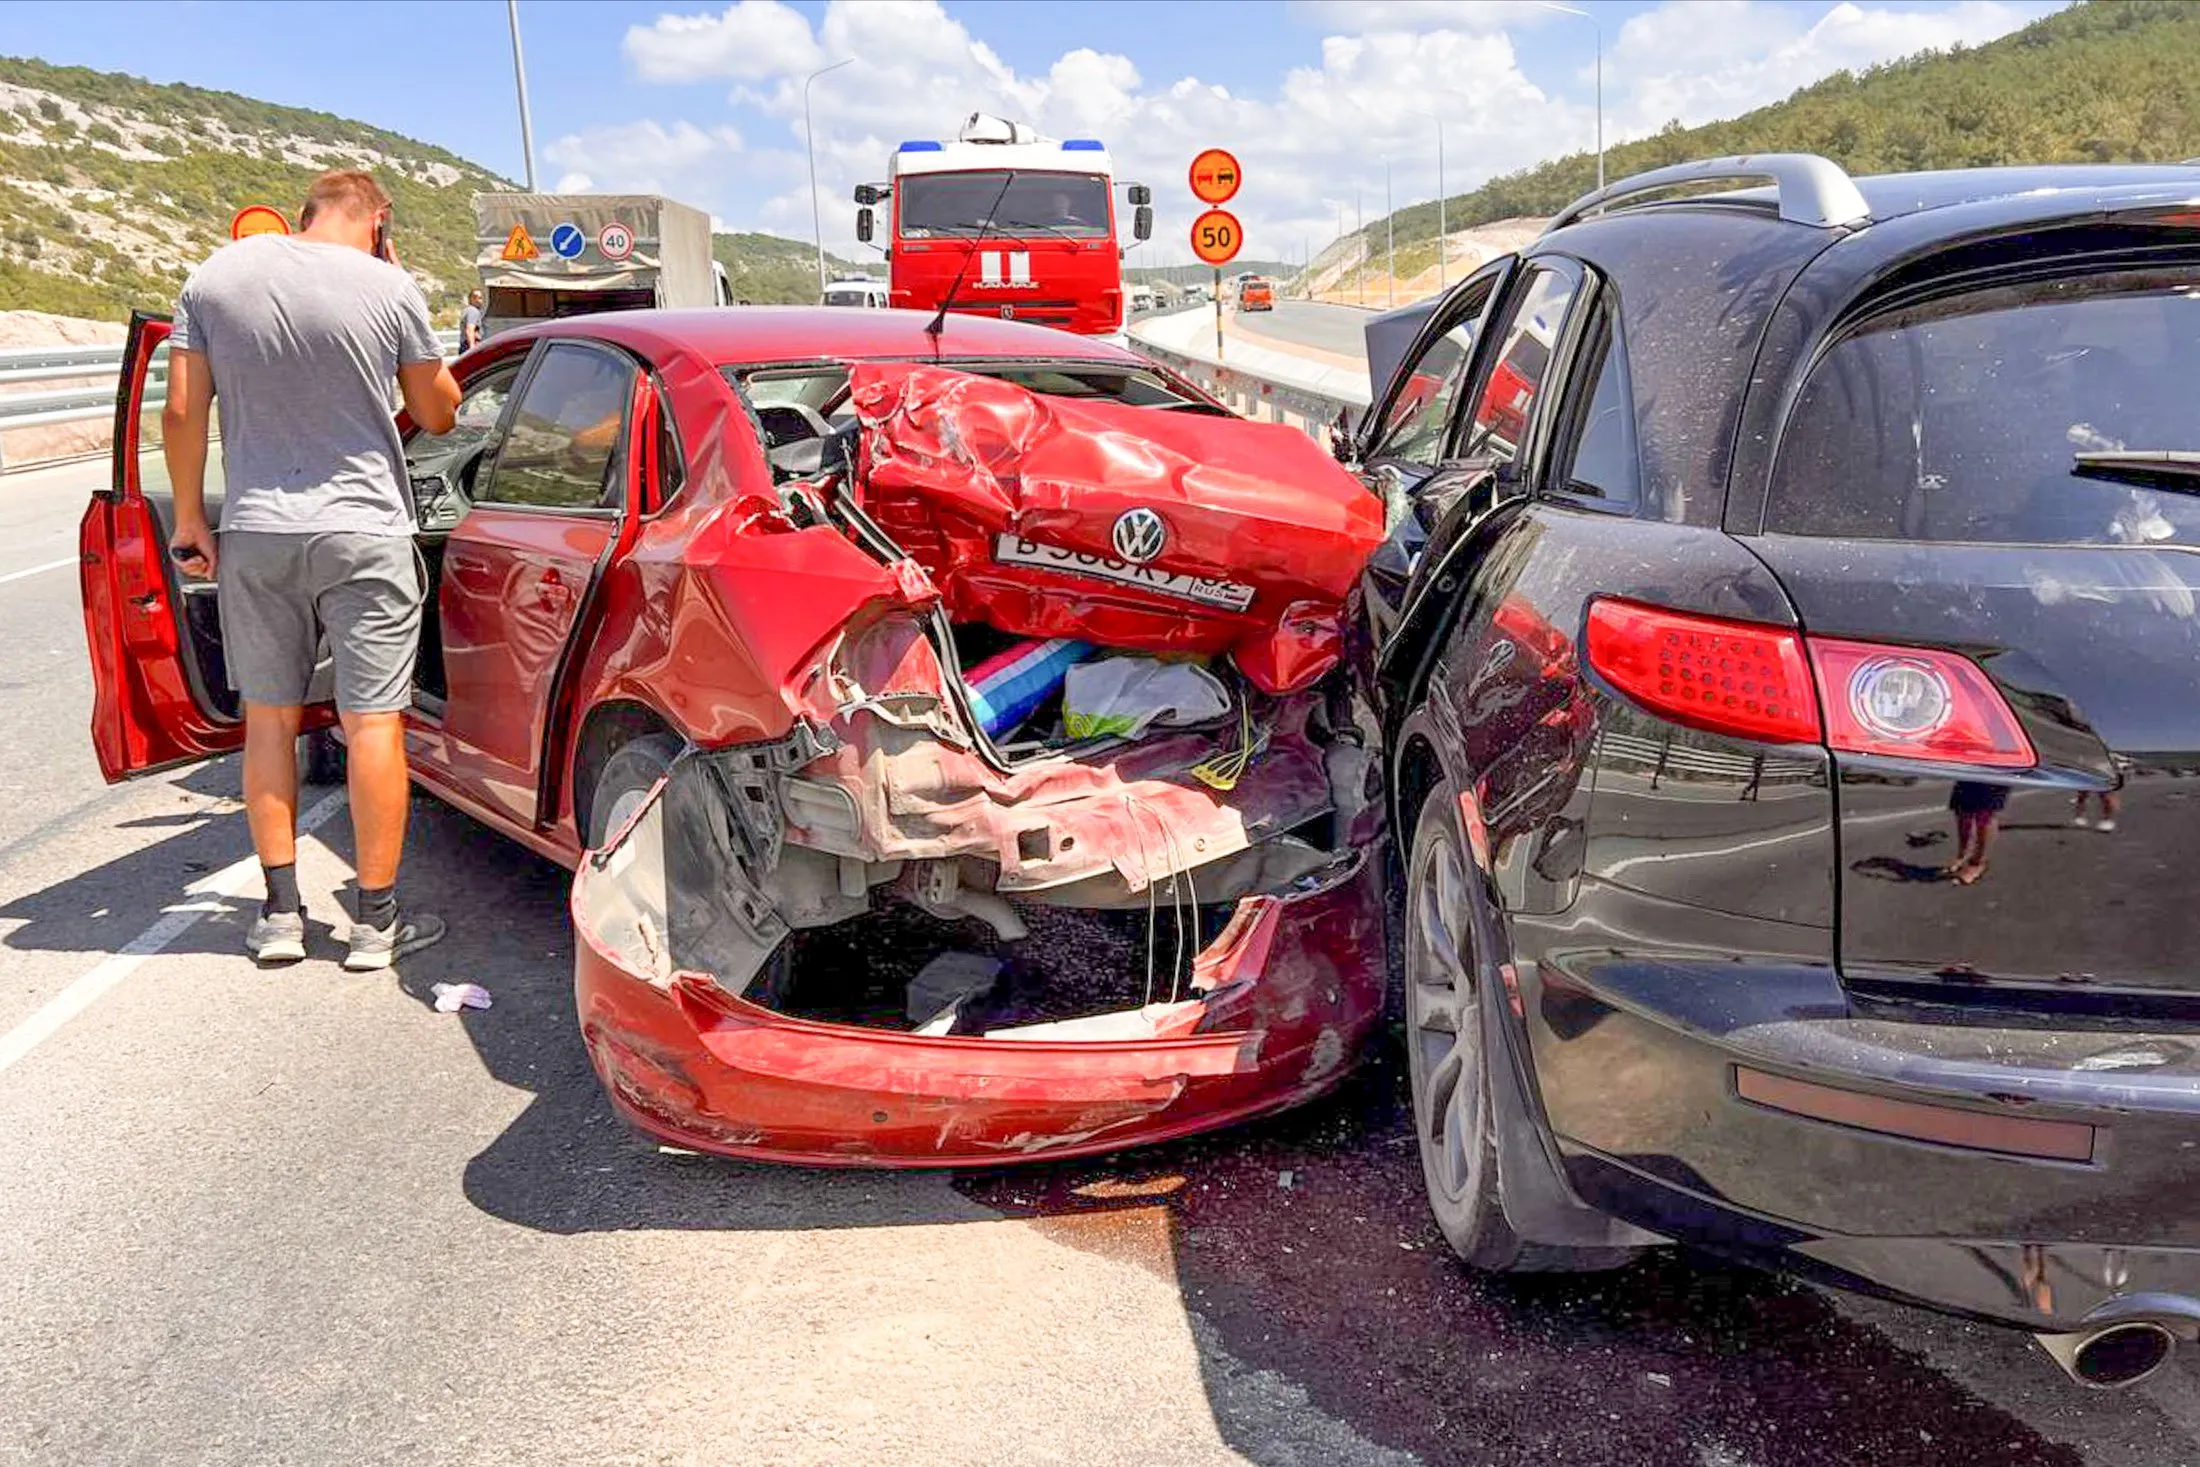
(562, 448)
(1413, 430)
(1596, 456)
(1503, 409)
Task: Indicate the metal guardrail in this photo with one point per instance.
(1258, 393)
(93, 373)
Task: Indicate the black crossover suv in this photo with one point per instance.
(1787, 657)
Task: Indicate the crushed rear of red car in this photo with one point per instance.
(1068, 845)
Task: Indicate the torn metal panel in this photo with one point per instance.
(1279, 1002)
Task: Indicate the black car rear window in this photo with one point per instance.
(1962, 419)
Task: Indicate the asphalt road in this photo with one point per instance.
(301, 1218)
(1336, 329)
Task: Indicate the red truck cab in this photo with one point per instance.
(1008, 224)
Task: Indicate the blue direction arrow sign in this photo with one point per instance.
(567, 241)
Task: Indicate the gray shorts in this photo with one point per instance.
(281, 593)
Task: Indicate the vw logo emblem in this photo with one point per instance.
(1139, 535)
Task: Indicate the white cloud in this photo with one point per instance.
(645, 157)
(1315, 142)
(751, 39)
(1716, 58)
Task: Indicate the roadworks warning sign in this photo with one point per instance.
(519, 244)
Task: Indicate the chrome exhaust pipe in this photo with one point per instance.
(2110, 1356)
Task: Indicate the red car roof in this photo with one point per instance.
(727, 334)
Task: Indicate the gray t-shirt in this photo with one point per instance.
(304, 340)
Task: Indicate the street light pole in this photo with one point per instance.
(519, 75)
(809, 146)
(1359, 227)
(1598, 26)
(1390, 236)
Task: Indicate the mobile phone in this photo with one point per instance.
(184, 554)
(382, 238)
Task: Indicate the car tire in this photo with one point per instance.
(322, 758)
(625, 779)
(1447, 1044)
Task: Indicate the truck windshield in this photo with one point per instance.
(943, 205)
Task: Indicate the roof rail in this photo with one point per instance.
(1813, 190)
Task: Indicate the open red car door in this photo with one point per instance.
(160, 691)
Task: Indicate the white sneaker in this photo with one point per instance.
(277, 937)
(374, 948)
(2106, 825)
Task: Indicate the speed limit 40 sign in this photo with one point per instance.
(1217, 237)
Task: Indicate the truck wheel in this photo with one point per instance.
(625, 781)
(1448, 1051)
(324, 761)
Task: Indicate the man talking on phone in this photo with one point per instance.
(298, 338)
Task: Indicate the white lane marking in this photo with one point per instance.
(210, 893)
(37, 570)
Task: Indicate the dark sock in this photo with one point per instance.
(378, 905)
(282, 888)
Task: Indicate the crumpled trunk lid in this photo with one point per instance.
(1137, 528)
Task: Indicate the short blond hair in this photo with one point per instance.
(348, 191)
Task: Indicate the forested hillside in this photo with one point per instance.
(770, 270)
(2107, 81)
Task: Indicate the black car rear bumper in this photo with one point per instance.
(2022, 1175)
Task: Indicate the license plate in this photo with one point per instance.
(1016, 550)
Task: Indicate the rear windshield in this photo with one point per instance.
(1962, 419)
(939, 205)
(825, 388)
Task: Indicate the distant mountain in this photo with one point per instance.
(112, 188)
(772, 270)
(2103, 82)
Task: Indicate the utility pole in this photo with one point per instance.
(1442, 234)
(809, 146)
(519, 75)
(1390, 246)
(1359, 217)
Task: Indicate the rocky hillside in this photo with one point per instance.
(112, 187)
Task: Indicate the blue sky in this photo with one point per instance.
(702, 100)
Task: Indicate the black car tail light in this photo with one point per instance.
(1910, 703)
(1732, 677)
(1774, 684)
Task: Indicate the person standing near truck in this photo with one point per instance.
(469, 322)
(299, 337)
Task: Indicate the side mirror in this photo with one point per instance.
(864, 227)
(1142, 222)
(1141, 195)
(867, 194)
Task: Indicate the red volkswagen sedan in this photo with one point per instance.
(946, 730)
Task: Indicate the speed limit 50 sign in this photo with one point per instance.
(1217, 237)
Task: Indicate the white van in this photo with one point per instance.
(868, 294)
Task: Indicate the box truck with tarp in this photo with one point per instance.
(543, 256)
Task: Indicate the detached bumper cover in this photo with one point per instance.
(1285, 997)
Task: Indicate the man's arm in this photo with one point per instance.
(431, 395)
(183, 425)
